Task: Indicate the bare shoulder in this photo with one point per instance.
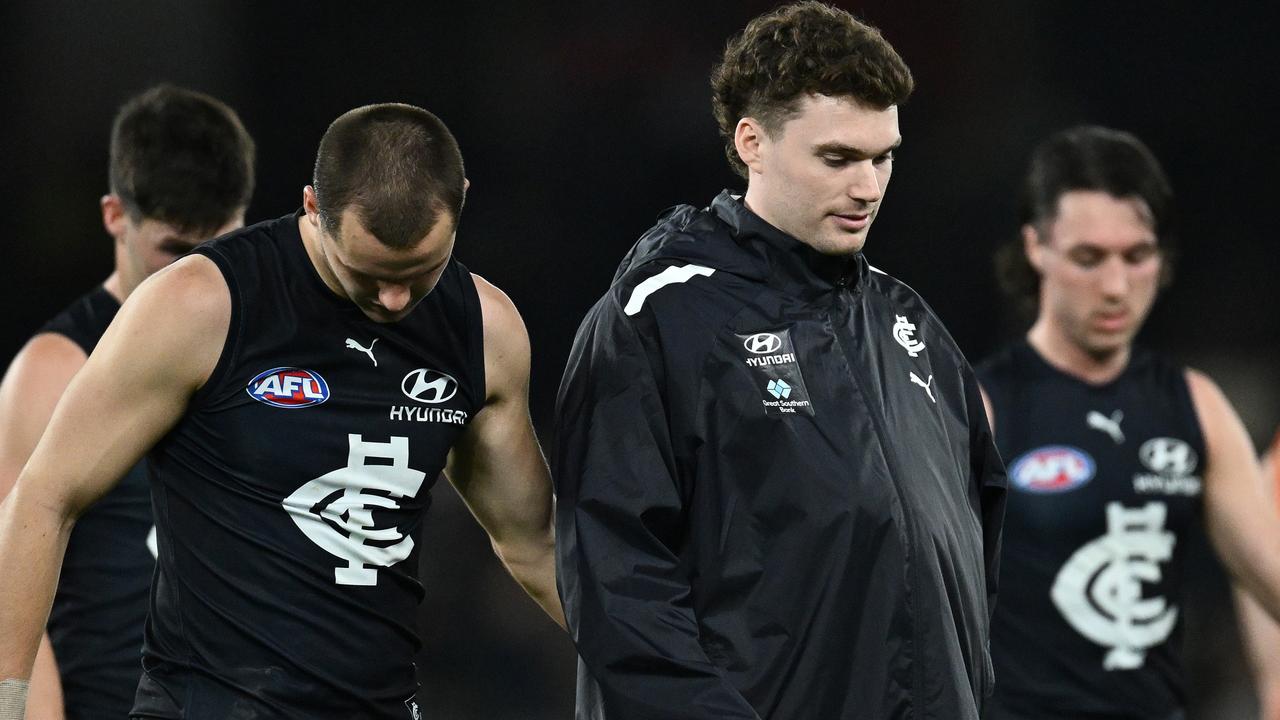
(506, 341)
(192, 287)
(47, 356)
(502, 322)
(1211, 404)
(175, 323)
(1225, 435)
(36, 378)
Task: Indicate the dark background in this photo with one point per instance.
(580, 122)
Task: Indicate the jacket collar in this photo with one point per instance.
(792, 264)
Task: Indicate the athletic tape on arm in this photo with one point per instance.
(13, 699)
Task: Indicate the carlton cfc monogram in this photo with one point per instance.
(343, 524)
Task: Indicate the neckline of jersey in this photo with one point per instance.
(1136, 357)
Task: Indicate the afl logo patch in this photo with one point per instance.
(1052, 469)
(289, 387)
(429, 386)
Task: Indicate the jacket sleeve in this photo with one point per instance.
(620, 521)
(992, 483)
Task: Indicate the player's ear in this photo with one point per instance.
(114, 216)
(1033, 247)
(310, 206)
(748, 138)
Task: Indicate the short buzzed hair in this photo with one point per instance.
(805, 48)
(396, 166)
(181, 157)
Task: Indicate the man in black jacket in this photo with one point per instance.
(778, 496)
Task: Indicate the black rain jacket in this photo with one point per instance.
(778, 496)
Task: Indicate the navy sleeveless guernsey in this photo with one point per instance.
(1105, 490)
(96, 620)
(290, 496)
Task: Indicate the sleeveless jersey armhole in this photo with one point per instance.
(234, 328)
(475, 343)
(1185, 404)
(1275, 467)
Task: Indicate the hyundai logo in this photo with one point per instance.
(1168, 456)
(763, 343)
(429, 386)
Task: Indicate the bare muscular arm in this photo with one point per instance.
(161, 348)
(497, 466)
(36, 378)
(1261, 633)
(1242, 520)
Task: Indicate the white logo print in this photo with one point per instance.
(1108, 425)
(353, 345)
(1099, 590)
(927, 390)
(763, 343)
(429, 386)
(903, 332)
(1168, 456)
(335, 511)
(153, 543)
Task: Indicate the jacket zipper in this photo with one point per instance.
(845, 302)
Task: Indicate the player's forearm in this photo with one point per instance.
(33, 537)
(1268, 698)
(1261, 637)
(531, 561)
(1269, 702)
(44, 697)
(1252, 558)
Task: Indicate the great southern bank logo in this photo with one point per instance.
(288, 387)
(779, 389)
(1052, 469)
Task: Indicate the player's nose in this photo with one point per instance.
(864, 182)
(1114, 278)
(394, 297)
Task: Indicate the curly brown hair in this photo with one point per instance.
(804, 48)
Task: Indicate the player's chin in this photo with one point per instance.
(382, 315)
(1102, 344)
(843, 243)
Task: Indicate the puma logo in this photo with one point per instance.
(1108, 425)
(927, 390)
(353, 345)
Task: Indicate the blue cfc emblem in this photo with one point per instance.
(1052, 469)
